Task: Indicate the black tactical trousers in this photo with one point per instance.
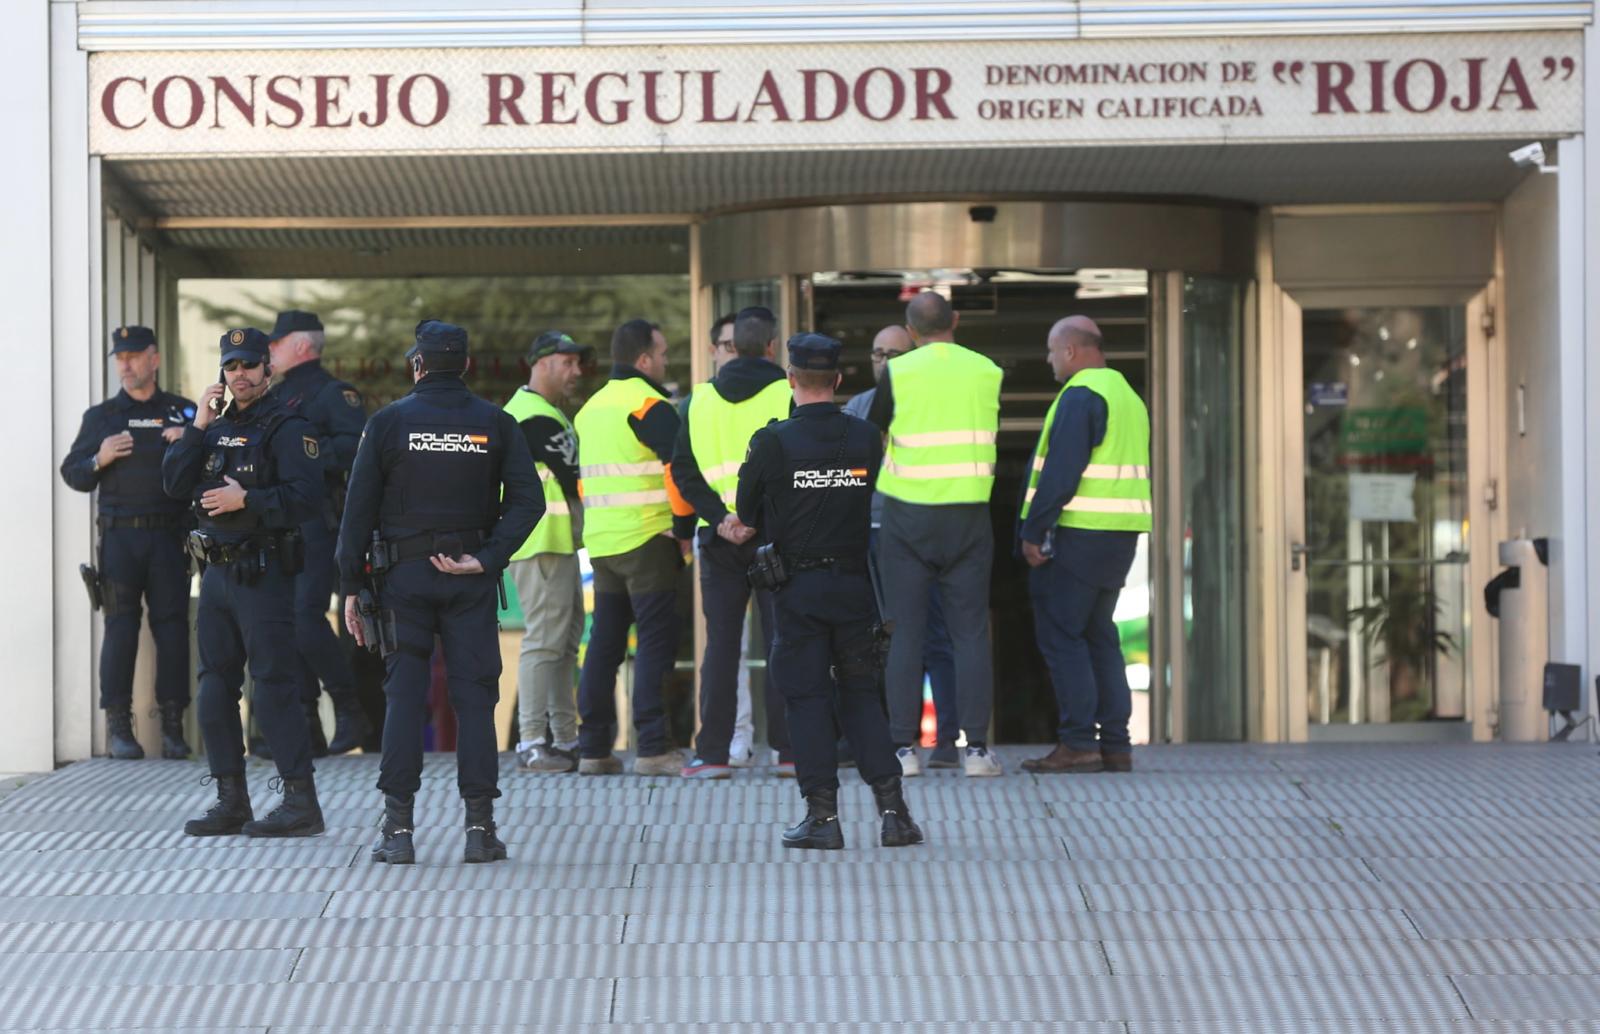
(145, 564)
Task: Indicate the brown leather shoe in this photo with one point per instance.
(1064, 759)
(1122, 762)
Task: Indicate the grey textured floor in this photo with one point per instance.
(1214, 889)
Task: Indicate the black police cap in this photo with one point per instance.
(435, 337)
(810, 351)
(132, 339)
(245, 343)
(294, 320)
(554, 342)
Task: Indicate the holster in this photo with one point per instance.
(91, 582)
(291, 552)
(767, 572)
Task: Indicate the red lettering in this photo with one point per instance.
(708, 100)
(1474, 87)
(767, 96)
(651, 110)
(1375, 71)
(108, 102)
(441, 100)
(1333, 86)
(841, 94)
(380, 89)
(552, 97)
(328, 100)
(1513, 83)
(221, 88)
(197, 103)
(897, 94)
(277, 96)
(505, 90)
(1402, 85)
(591, 100)
(931, 85)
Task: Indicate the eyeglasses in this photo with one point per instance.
(234, 364)
(885, 353)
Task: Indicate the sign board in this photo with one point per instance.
(877, 95)
(1383, 497)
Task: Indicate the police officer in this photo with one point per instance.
(806, 485)
(334, 409)
(253, 474)
(118, 450)
(429, 476)
(747, 393)
(1087, 503)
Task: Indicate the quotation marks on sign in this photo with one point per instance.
(1288, 71)
(1565, 66)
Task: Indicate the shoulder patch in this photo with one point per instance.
(646, 406)
(311, 447)
(352, 398)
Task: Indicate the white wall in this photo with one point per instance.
(1591, 351)
(27, 464)
(1531, 326)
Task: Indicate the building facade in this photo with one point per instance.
(1368, 337)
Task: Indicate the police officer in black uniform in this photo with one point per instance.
(806, 487)
(253, 474)
(118, 450)
(448, 481)
(334, 409)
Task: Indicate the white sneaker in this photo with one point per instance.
(740, 755)
(979, 762)
(909, 765)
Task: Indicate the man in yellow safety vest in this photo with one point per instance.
(1086, 504)
(545, 568)
(939, 404)
(636, 528)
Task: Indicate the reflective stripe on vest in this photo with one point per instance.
(1114, 492)
(625, 500)
(946, 420)
(553, 533)
(720, 432)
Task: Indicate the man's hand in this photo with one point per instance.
(468, 564)
(1034, 555)
(204, 413)
(227, 499)
(352, 621)
(114, 447)
(171, 434)
(734, 530)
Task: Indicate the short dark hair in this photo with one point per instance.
(716, 328)
(631, 340)
(815, 380)
(930, 313)
(754, 329)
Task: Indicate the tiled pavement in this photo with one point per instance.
(1214, 889)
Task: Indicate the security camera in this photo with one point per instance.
(1530, 156)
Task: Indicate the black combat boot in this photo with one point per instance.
(819, 830)
(297, 815)
(482, 844)
(120, 743)
(394, 844)
(173, 746)
(350, 725)
(227, 817)
(319, 739)
(899, 830)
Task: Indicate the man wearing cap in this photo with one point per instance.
(939, 405)
(334, 409)
(748, 393)
(1086, 504)
(446, 479)
(636, 527)
(252, 471)
(545, 567)
(118, 451)
(806, 487)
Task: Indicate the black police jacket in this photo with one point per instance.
(807, 483)
(131, 486)
(437, 460)
(271, 453)
(332, 406)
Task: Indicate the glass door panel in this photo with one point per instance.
(1386, 511)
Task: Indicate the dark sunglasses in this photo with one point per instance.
(234, 364)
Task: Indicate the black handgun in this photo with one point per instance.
(91, 581)
(377, 624)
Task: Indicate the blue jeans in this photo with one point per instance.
(1081, 647)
